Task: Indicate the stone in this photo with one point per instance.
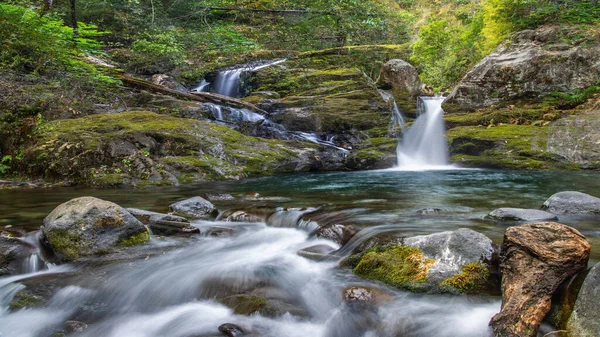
(535, 259)
(576, 138)
(164, 224)
(219, 197)
(316, 252)
(365, 295)
(585, 319)
(168, 81)
(400, 75)
(232, 330)
(530, 63)
(75, 326)
(521, 214)
(193, 208)
(428, 211)
(12, 252)
(572, 202)
(90, 226)
(338, 233)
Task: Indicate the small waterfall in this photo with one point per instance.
(423, 146)
(228, 82)
(397, 119)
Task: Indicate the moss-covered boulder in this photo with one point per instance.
(461, 261)
(90, 226)
(146, 148)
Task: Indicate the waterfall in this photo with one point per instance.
(423, 146)
(228, 82)
(397, 119)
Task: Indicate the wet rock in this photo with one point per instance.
(428, 211)
(521, 214)
(339, 233)
(245, 304)
(563, 301)
(232, 330)
(12, 252)
(288, 218)
(193, 208)
(585, 319)
(571, 202)
(400, 75)
(535, 260)
(75, 326)
(317, 252)
(365, 294)
(250, 215)
(219, 197)
(164, 224)
(167, 81)
(25, 299)
(280, 302)
(529, 64)
(90, 226)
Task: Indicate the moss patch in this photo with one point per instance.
(67, 244)
(473, 276)
(25, 300)
(136, 239)
(399, 266)
(244, 304)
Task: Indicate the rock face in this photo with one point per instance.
(585, 319)
(89, 226)
(571, 202)
(458, 262)
(11, 251)
(535, 260)
(576, 139)
(164, 224)
(400, 75)
(521, 214)
(194, 208)
(530, 63)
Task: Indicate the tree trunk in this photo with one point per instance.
(74, 19)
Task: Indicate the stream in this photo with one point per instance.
(173, 293)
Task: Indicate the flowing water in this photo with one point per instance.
(173, 294)
(423, 146)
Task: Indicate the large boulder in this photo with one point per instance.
(535, 260)
(455, 261)
(89, 226)
(585, 319)
(193, 208)
(521, 214)
(402, 76)
(530, 63)
(572, 202)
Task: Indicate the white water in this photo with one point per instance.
(173, 295)
(423, 146)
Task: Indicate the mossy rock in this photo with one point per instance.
(472, 279)
(399, 266)
(23, 299)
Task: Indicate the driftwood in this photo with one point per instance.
(203, 97)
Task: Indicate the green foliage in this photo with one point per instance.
(156, 52)
(5, 164)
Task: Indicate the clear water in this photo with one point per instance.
(172, 294)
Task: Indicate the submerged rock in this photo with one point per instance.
(317, 252)
(571, 202)
(535, 260)
(90, 226)
(193, 208)
(12, 251)
(232, 330)
(521, 214)
(164, 224)
(585, 319)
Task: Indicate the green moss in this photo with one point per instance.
(136, 239)
(399, 266)
(244, 304)
(24, 300)
(473, 275)
(65, 243)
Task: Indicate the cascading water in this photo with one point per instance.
(423, 146)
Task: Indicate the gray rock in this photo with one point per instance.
(88, 226)
(194, 208)
(521, 214)
(571, 202)
(451, 250)
(232, 330)
(219, 197)
(428, 211)
(576, 139)
(585, 319)
(339, 233)
(529, 63)
(76, 326)
(164, 224)
(12, 251)
(400, 75)
(317, 252)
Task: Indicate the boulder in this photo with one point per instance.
(168, 81)
(12, 251)
(193, 208)
(571, 202)
(455, 261)
(521, 214)
(400, 75)
(585, 319)
(576, 138)
(529, 64)
(89, 226)
(535, 260)
(316, 252)
(164, 224)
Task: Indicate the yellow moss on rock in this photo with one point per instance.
(473, 276)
